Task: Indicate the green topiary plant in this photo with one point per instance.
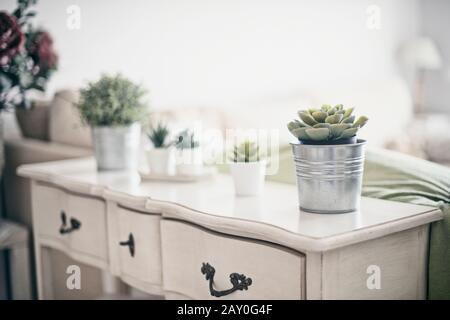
(327, 124)
(112, 101)
(246, 151)
(158, 136)
(186, 140)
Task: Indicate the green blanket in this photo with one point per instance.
(397, 177)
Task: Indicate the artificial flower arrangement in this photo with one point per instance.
(27, 56)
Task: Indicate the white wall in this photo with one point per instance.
(435, 23)
(211, 52)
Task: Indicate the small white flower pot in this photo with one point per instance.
(161, 161)
(190, 162)
(248, 177)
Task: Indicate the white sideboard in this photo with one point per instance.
(199, 241)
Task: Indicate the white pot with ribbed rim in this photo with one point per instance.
(248, 177)
(161, 161)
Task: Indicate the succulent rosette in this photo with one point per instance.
(326, 125)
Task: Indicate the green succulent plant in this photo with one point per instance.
(246, 151)
(326, 124)
(158, 136)
(186, 140)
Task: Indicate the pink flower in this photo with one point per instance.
(11, 38)
(42, 52)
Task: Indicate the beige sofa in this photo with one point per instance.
(52, 131)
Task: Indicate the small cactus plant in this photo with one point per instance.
(186, 140)
(158, 136)
(327, 124)
(246, 151)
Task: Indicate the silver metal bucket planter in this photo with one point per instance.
(116, 148)
(329, 177)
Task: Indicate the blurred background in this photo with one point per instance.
(247, 64)
(266, 58)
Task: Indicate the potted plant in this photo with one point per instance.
(329, 159)
(189, 155)
(113, 107)
(248, 169)
(161, 157)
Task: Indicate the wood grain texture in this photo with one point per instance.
(142, 271)
(145, 265)
(313, 275)
(36, 203)
(90, 238)
(47, 205)
(276, 273)
(399, 256)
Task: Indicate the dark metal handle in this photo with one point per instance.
(74, 224)
(129, 243)
(239, 281)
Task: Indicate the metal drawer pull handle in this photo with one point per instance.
(239, 281)
(74, 224)
(129, 243)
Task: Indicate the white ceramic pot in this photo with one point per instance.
(190, 162)
(248, 177)
(161, 161)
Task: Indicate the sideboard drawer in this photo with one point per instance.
(91, 237)
(72, 221)
(48, 206)
(189, 252)
(139, 246)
